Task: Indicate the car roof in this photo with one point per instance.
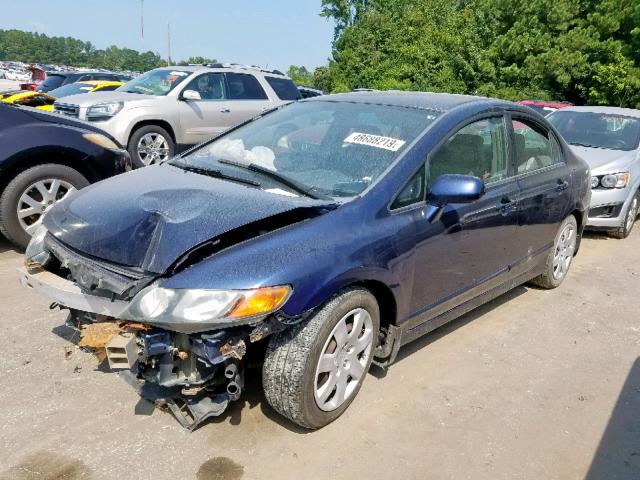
(219, 67)
(629, 112)
(441, 102)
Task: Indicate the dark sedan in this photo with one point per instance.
(335, 230)
(43, 158)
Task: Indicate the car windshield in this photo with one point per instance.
(598, 130)
(155, 82)
(71, 89)
(328, 148)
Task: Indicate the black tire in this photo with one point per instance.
(629, 219)
(547, 279)
(288, 374)
(132, 146)
(9, 223)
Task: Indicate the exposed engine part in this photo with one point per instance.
(191, 412)
(122, 351)
(234, 348)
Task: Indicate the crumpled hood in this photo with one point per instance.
(603, 160)
(148, 218)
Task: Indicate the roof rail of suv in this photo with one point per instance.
(244, 67)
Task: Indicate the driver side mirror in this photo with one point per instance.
(453, 189)
(190, 95)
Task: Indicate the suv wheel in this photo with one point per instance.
(561, 255)
(150, 144)
(31, 194)
(313, 371)
(629, 220)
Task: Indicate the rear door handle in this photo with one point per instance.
(225, 110)
(562, 185)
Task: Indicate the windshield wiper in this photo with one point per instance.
(216, 174)
(286, 181)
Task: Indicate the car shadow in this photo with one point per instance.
(438, 333)
(5, 246)
(593, 235)
(618, 454)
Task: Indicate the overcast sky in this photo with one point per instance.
(258, 32)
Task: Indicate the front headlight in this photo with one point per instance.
(104, 111)
(595, 182)
(100, 140)
(201, 308)
(615, 180)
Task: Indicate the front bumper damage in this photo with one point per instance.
(195, 376)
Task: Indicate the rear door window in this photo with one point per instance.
(242, 86)
(284, 88)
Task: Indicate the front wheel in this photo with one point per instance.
(561, 255)
(150, 144)
(313, 371)
(30, 194)
(629, 220)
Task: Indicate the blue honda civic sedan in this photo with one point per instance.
(318, 239)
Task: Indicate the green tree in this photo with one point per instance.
(300, 75)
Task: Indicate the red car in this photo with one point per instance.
(37, 76)
(545, 108)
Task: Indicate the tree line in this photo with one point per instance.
(582, 51)
(31, 47)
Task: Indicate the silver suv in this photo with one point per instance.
(168, 109)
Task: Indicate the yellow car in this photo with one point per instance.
(27, 98)
(44, 101)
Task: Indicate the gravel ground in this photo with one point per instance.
(535, 385)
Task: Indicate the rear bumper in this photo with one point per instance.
(68, 294)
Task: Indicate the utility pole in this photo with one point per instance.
(142, 19)
(169, 42)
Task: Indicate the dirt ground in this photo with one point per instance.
(535, 385)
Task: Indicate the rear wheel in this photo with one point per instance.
(31, 194)
(313, 371)
(560, 256)
(629, 220)
(150, 144)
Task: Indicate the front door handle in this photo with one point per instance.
(225, 110)
(506, 206)
(562, 185)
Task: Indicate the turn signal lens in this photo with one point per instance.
(100, 140)
(260, 301)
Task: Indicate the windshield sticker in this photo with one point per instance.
(377, 141)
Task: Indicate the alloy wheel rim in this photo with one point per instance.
(38, 198)
(153, 148)
(633, 213)
(565, 248)
(344, 358)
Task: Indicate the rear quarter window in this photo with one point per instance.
(242, 86)
(284, 88)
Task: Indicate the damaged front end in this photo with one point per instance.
(183, 349)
